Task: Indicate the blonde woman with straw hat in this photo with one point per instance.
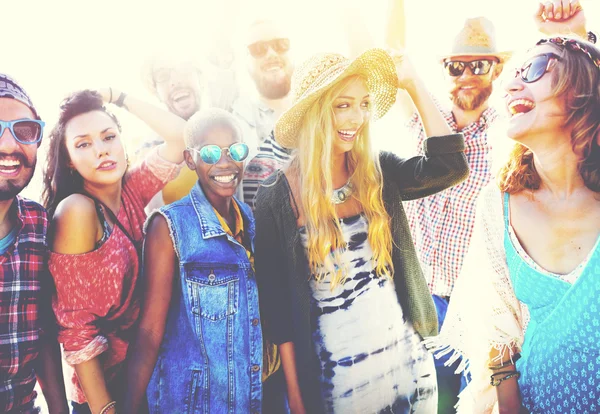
(340, 286)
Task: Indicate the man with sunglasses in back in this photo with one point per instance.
(441, 224)
(270, 67)
(28, 346)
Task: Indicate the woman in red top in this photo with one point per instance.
(97, 207)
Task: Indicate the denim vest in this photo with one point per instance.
(211, 355)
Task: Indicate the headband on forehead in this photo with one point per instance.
(9, 88)
(571, 44)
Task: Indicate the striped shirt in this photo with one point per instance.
(266, 155)
(24, 300)
(442, 224)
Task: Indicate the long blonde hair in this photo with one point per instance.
(313, 169)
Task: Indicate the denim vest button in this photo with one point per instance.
(255, 368)
(254, 322)
(212, 277)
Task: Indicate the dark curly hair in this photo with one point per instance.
(60, 180)
(577, 78)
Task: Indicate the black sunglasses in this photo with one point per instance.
(534, 68)
(477, 67)
(260, 49)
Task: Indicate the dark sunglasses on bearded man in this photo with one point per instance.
(260, 49)
(477, 67)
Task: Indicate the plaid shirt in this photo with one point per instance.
(23, 271)
(441, 224)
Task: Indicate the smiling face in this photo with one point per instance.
(17, 161)
(94, 146)
(469, 91)
(269, 62)
(178, 87)
(533, 108)
(218, 181)
(351, 109)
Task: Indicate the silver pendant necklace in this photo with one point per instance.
(342, 194)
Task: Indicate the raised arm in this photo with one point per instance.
(169, 126)
(408, 80)
(158, 275)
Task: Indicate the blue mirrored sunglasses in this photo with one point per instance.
(25, 131)
(211, 154)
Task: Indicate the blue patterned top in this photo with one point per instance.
(560, 359)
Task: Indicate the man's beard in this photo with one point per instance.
(272, 89)
(471, 103)
(9, 188)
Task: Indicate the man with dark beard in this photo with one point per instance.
(28, 346)
(270, 67)
(441, 225)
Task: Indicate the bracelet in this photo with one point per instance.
(107, 407)
(494, 382)
(509, 361)
(120, 102)
(592, 38)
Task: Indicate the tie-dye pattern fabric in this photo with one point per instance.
(371, 357)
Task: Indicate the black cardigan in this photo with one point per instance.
(282, 267)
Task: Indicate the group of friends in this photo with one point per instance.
(291, 267)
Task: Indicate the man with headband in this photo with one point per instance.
(28, 346)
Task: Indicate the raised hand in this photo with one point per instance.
(561, 17)
(407, 75)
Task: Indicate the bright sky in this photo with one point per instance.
(55, 47)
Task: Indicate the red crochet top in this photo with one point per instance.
(96, 303)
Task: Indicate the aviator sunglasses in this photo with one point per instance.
(260, 49)
(477, 67)
(211, 154)
(25, 131)
(534, 68)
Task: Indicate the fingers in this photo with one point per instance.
(557, 12)
(549, 10)
(566, 9)
(539, 14)
(575, 7)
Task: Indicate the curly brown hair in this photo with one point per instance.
(60, 180)
(577, 78)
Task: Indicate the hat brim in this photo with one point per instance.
(501, 56)
(379, 72)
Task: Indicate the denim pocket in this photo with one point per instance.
(214, 290)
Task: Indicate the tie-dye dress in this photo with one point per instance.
(372, 360)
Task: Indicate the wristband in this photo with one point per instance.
(120, 102)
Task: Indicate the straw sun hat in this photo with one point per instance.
(477, 38)
(321, 71)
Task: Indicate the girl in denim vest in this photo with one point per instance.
(199, 344)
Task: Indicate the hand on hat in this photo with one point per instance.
(561, 17)
(407, 75)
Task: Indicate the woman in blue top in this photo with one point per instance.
(535, 260)
(199, 344)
